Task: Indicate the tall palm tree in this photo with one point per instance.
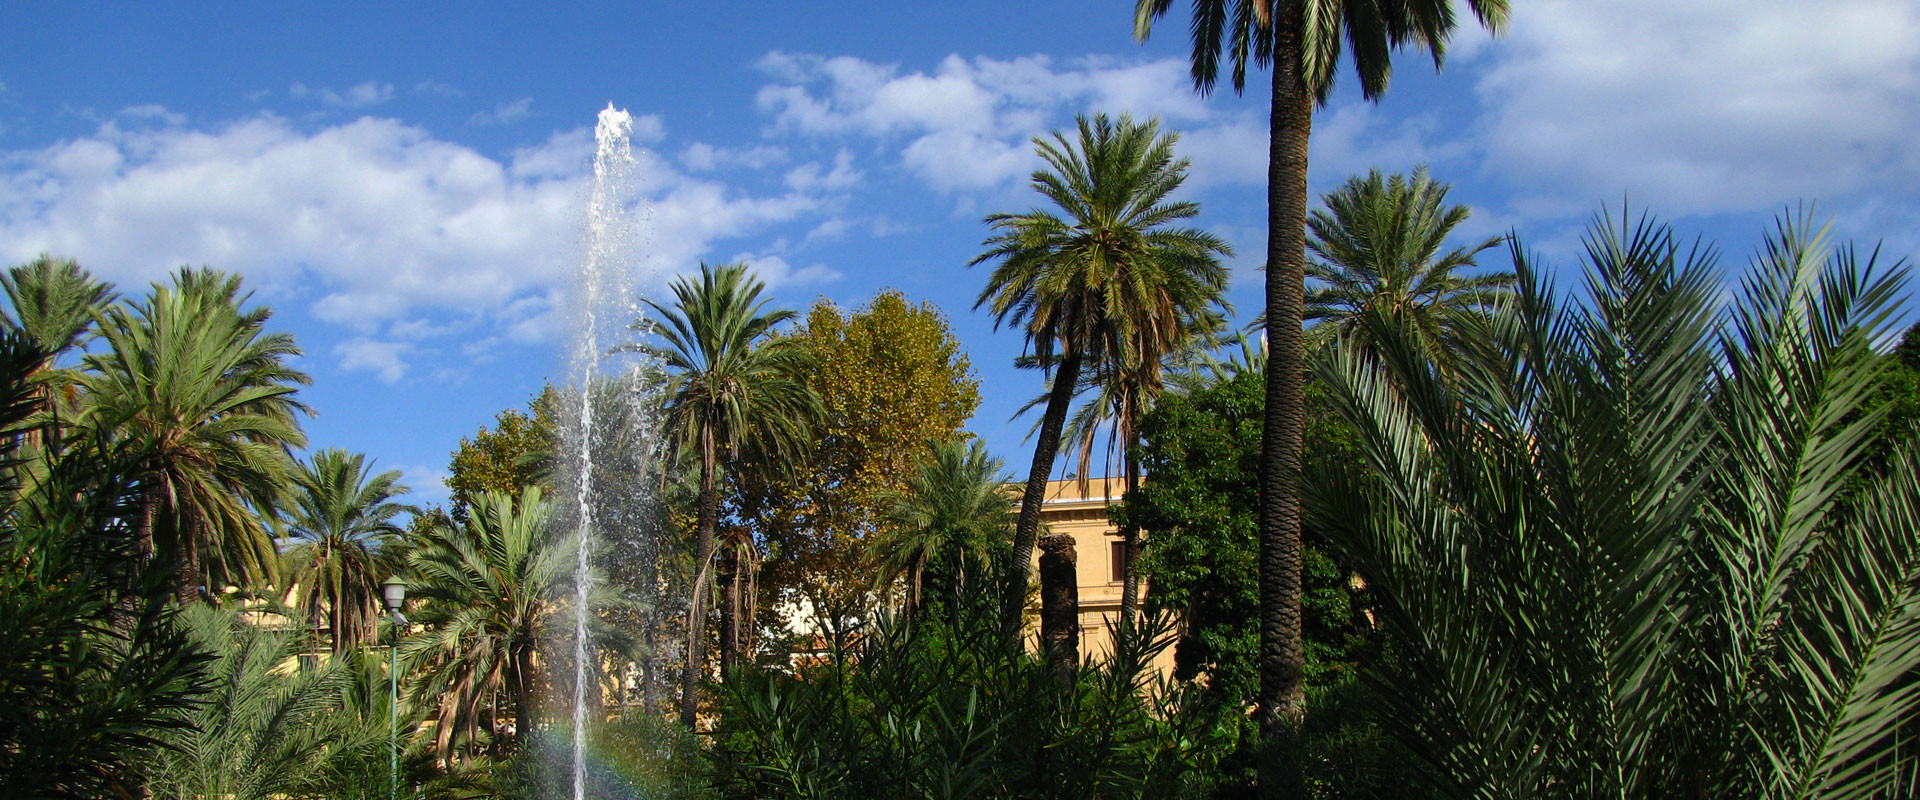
(342, 520)
(1377, 251)
(486, 592)
(204, 391)
(955, 505)
(732, 386)
(1301, 41)
(1106, 284)
(1614, 547)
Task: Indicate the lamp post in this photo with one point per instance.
(393, 593)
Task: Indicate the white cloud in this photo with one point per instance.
(1713, 105)
(153, 112)
(504, 112)
(374, 219)
(777, 272)
(968, 123)
(429, 484)
(703, 157)
(360, 95)
(436, 87)
(809, 177)
(369, 355)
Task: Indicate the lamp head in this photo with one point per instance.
(394, 594)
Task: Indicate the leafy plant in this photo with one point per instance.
(946, 708)
(1612, 543)
(95, 670)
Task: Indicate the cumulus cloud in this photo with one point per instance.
(369, 355)
(966, 124)
(376, 220)
(811, 177)
(1714, 105)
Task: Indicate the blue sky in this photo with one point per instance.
(403, 185)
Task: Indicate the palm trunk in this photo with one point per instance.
(522, 695)
(1065, 376)
(913, 588)
(1281, 702)
(1059, 605)
(703, 555)
(730, 616)
(1130, 537)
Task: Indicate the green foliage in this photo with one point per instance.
(1115, 287)
(269, 729)
(891, 378)
(1319, 31)
(53, 302)
(1201, 455)
(948, 708)
(951, 520)
(485, 591)
(94, 667)
(341, 521)
(1612, 543)
(515, 454)
(1115, 273)
(202, 390)
(1377, 251)
(733, 390)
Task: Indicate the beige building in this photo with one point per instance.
(1082, 513)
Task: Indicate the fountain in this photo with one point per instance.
(605, 420)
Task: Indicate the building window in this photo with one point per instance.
(1117, 562)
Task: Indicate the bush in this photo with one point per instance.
(947, 708)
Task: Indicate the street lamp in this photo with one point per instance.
(393, 593)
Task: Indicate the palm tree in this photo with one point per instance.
(203, 390)
(955, 505)
(486, 591)
(1377, 247)
(342, 519)
(732, 386)
(1613, 544)
(1301, 42)
(52, 302)
(1107, 285)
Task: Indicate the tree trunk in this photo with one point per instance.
(1281, 702)
(913, 588)
(703, 557)
(1059, 605)
(1065, 376)
(1130, 537)
(522, 695)
(730, 615)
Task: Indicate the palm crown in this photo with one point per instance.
(342, 520)
(203, 390)
(1377, 251)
